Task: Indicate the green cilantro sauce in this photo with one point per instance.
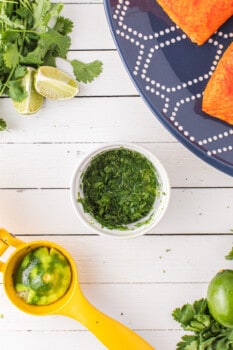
(43, 276)
(119, 188)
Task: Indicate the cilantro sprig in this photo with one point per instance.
(207, 334)
(32, 34)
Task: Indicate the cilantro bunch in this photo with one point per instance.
(207, 333)
(33, 34)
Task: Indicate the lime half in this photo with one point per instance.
(54, 84)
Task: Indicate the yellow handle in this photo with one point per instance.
(6, 240)
(9, 239)
(113, 334)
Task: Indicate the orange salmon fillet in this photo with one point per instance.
(218, 94)
(199, 19)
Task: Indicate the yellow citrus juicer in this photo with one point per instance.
(111, 333)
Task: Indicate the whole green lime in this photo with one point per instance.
(220, 297)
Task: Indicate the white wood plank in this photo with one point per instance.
(85, 120)
(145, 260)
(52, 165)
(46, 211)
(91, 29)
(23, 340)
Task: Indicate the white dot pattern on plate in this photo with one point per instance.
(175, 96)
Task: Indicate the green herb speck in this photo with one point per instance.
(3, 124)
(229, 256)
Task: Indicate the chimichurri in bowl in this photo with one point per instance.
(120, 190)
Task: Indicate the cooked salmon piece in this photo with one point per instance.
(218, 94)
(199, 19)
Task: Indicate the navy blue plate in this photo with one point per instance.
(170, 73)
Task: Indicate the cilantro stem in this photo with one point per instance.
(23, 39)
(27, 4)
(24, 31)
(8, 1)
(2, 13)
(6, 82)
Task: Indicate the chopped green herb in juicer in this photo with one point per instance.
(43, 276)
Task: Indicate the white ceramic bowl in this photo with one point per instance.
(135, 229)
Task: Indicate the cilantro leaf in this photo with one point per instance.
(3, 125)
(184, 315)
(16, 90)
(53, 12)
(25, 13)
(49, 59)
(43, 12)
(19, 72)
(193, 317)
(56, 41)
(10, 35)
(50, 41)
(86, 72)
(189, 342)
(35, 57)
(11, 56)
(16, 23)
(40, 8)
(63, 25)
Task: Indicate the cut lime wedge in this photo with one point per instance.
(54, 84)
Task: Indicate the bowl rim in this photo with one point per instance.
(113, 233)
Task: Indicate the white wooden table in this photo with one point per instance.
(140, 281)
